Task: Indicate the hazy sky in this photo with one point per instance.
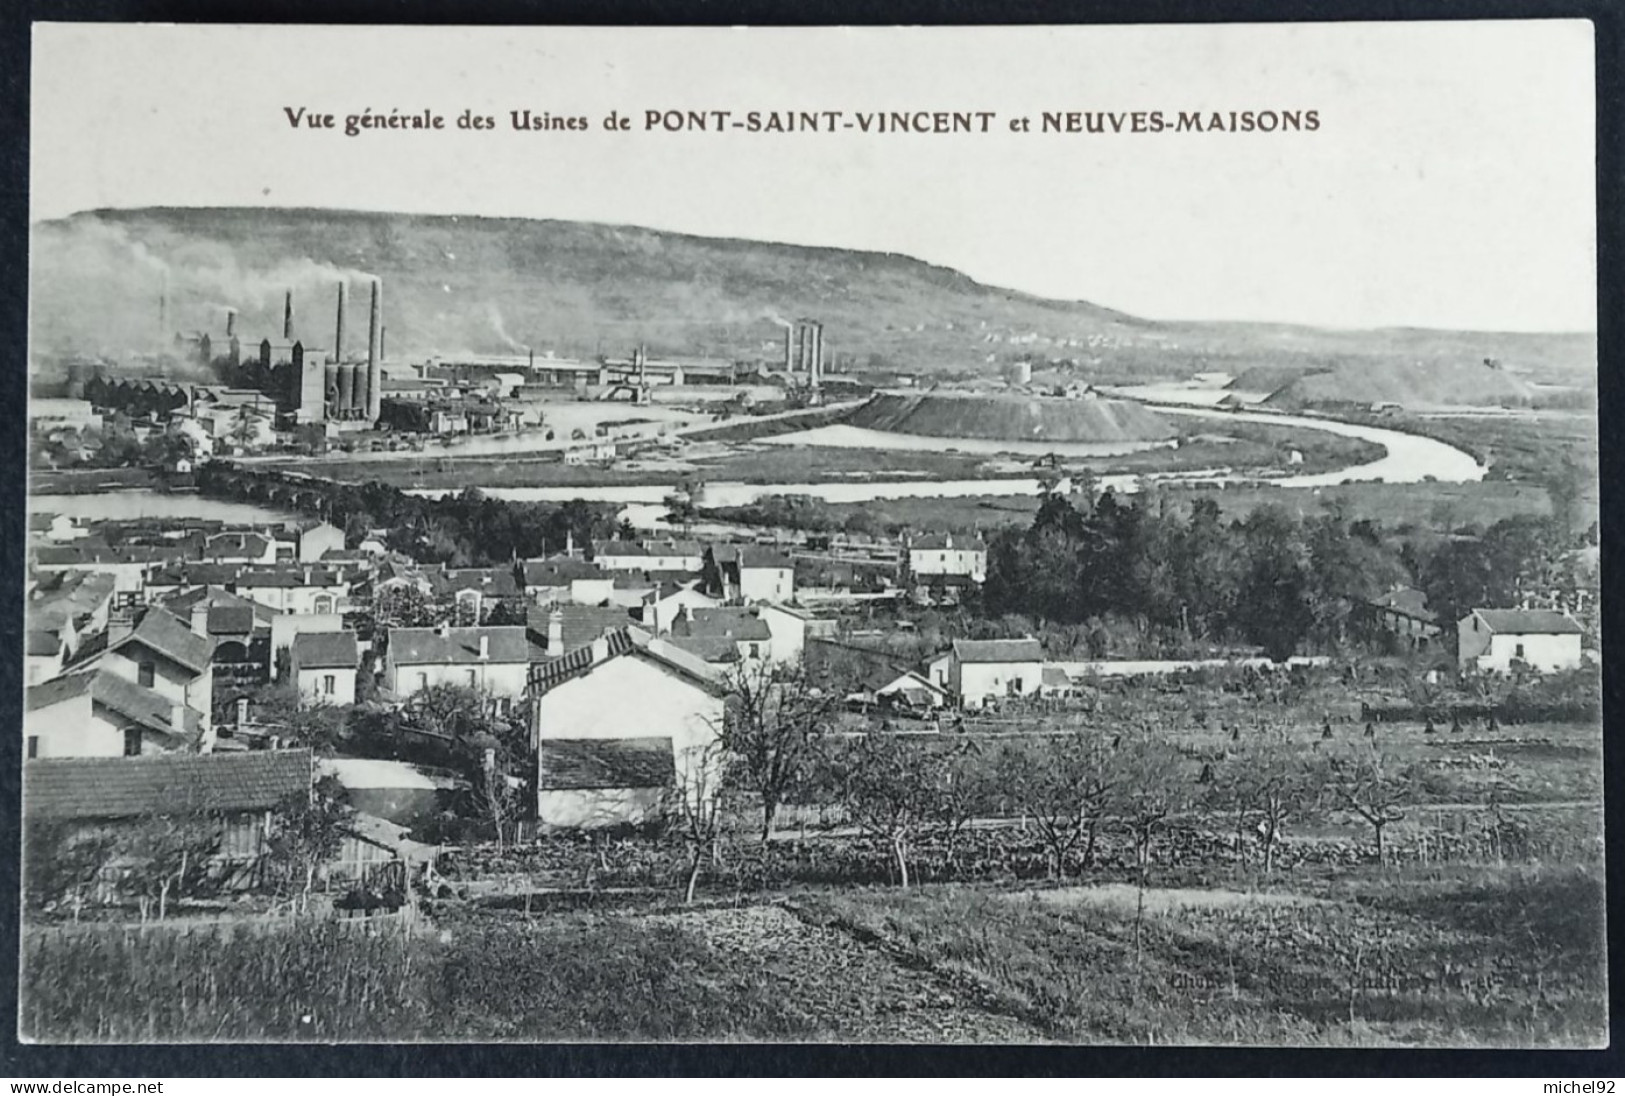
(1450, 182)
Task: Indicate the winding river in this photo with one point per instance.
(1408, 458)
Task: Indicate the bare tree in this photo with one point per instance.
(774, 712)
(695, 807)
(1149, 786)
(1063, 785)
(1267, 784)
(1374, 785)
(889, 790)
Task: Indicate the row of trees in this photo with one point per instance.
(1270, 579)
(463, 530)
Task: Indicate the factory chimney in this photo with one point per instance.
(338, 333)
(287, 317)
(789, 349)
(231, 322)
(375, 333)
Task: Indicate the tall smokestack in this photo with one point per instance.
(231, 322)
(375, 351)
(789, 349)
(287, 316)
(338, 332)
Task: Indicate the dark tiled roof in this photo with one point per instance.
(426, 646)
(43, 643)
(714, 649)
(724, 623)
(998, 650)
(750, 557)
(645, 548)
(197, 574)
(264, 577)
(581, 623)
(229, 545)
(325, 650)
(1528, 621)
(568, 764)
(946, 542)
(124, 787)
(68, 555)
(217, 597)
(138, 703)
(231, 620)
(160, 631)
(559, 572)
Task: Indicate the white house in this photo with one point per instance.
(164, 655)
(295, 589)
(495, 660)
(944, 554)
(96, 713)
(984, 669)
(312, 540)
(652, 554)
(747, 573)
(323, 665)
(619, 726)
(788, 627)
(1494, 639)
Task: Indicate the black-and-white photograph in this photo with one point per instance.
(1071, 535)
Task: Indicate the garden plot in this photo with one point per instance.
(842, 988)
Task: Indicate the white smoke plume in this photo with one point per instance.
(96, 290)
(495, 315)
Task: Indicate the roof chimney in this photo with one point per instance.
(555, 633)
(200, 617)
(485, 647)
(600, 649)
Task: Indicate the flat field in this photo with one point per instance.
(1481, 956)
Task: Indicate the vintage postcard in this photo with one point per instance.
(1077, 535)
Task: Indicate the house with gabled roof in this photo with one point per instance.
(749, 573)
(981, 670)
(565, 578)
(324, 667)
(153, 649)
(1498, 640)
(492, 659)
(93, 712)
(606, 718)
(729, 633)
(648, 554)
